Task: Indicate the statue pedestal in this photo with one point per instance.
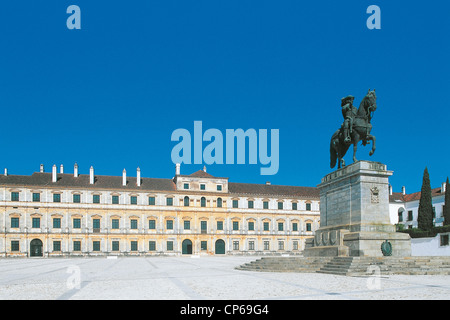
(354, 214)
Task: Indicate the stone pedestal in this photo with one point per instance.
(354, 214)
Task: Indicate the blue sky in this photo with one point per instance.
(111, 94)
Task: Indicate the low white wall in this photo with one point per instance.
(429, 246)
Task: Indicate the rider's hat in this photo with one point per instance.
(347, 98)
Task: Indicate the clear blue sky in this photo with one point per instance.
(111, 94)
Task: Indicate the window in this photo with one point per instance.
(294, 206)
(235, 225)
(308, 226)
(219, 225)
(134, 245)
(187, 224)
(308, 206)
(295, 245)
(294, 226)
(56, 246)
(251, 226)
(76, 223)
(115, 200)
(219, 202)
(169, 201)
(152, 245)
(96, 198)
(266, 204)
(169, 245)
(280, 245)
(203, 226)
(410, 215)
(96, 225)
(266, 226)
(115, 224)
(57, 223)
(251, 245)
(235, 203)
(186, 186)
(133, 224)
(115, 245)
(151, 201)
(235, 245)
(14, 222)
(14, 196)
(203, 245)
(77, 245)
(434, 212)
(202, 187)
(444, 239)
(169, 224)
(250, 204)
(152, 224)
(36, 223)
(36, 197)
(56, 197)
(76, 198)
(95, 245)
(186, 201)
(219, 187)
(280, 205)
(14, 245)
(400, 216)
(280, 226)
(133, 200)
(266, 245)
(203, 202)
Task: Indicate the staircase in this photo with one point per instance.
(353, 266)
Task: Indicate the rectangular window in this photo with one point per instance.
(134, 246)
(235, 225)
(133, 224)
(266, 204)
(151, 201)
(235, 203)
(169, 201)
(76, 198)
(96, 198)
(169, 245)
(77, 246)
(57, 223)
(400, 216)
(56, 197)
(280, 245)
(96, 246)
(280, 226)
(115, 245)
(308, 207)
(410, 215)
(203, 226)
(36, 222)
(251, 226)
(266, 245)
(14, 222)
(36, 197)
(114, 199)
(266, 226)
(115, 224)
(219, 187)
(169, 224)
(444, 240)
(152, 245)
(186, 186)
(56, 246)
(14, 196)
(15, 245)
(219, 225)
(152, 224)
(280, 205)
(251, 245)
(202, 187)
(203, 245)
(96, 225)
(308, 227)
(294, 206)
(295, 245)
(76, 223)
(235, 245)
(294, 226)
(187, 224)
(250, 204)
(133, 200)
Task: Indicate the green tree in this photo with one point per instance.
(425, 214)
(446, 212)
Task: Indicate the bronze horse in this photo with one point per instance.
(361, 132)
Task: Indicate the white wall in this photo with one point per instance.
(429, 247)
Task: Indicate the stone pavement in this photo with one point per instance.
(197, 278)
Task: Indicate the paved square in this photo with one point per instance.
(184, 278)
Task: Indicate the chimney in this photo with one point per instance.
(204, 168)
(41, 169)
(138, 177)
(443, 186)
(124, 177)
(403, 190)
(390, 190)
(177, 169)
(75, 170)
(61, 169)
(91, 175)
(6, 172)
(54, 176)
(267, 183)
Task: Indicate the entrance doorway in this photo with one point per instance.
(186, 247)
(36, 248)
(220, 247)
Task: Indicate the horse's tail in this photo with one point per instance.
(333, 151)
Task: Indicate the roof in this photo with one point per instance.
(201, 174)
(398, 196)
(272, 190)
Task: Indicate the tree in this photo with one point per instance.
(446, 212)
(425, 215)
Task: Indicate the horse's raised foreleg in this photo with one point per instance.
(371, 137)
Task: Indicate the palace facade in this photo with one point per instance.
(72, 214)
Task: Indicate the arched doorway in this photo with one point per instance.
(186, 247)
(36, 248)
(220, 247)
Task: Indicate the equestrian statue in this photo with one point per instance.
(356, 128)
